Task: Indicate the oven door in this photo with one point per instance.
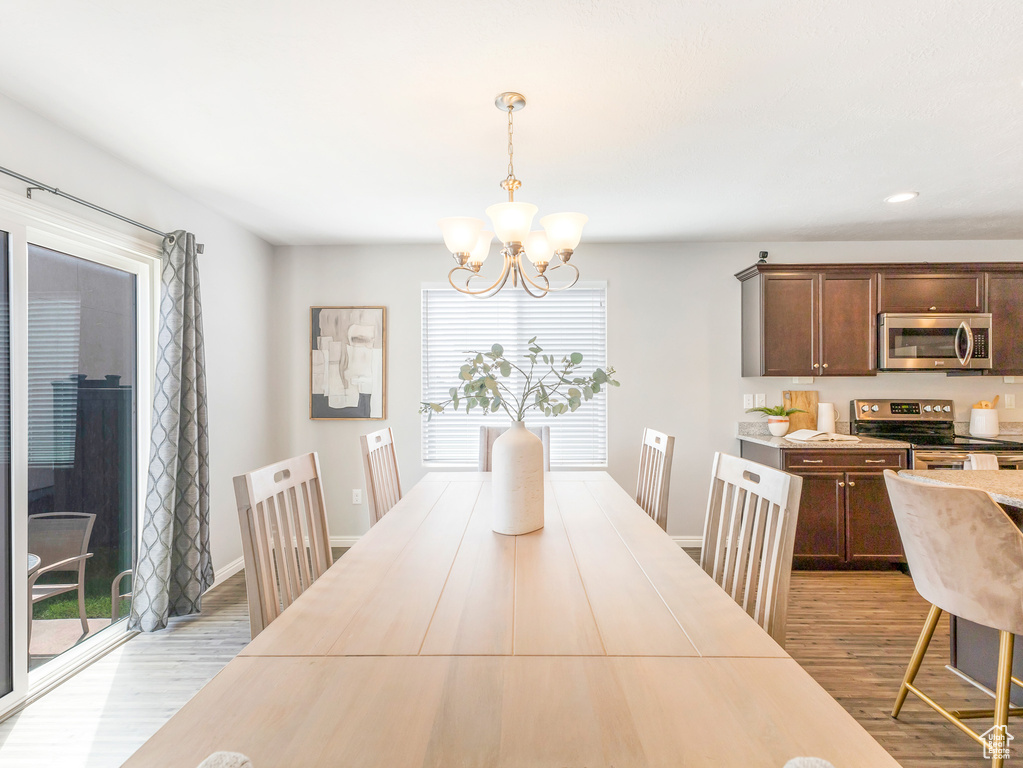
(934, 342)
(955, 459)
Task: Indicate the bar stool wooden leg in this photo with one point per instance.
(1002, 688)
(918, 656)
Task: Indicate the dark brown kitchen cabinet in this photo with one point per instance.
(1005, 303)
(804, 323)
(845, 519)
(930, 291)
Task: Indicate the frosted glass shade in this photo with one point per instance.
(538, 248)
(461, 233)
(481, 250)
(564, 230)
(512, 221)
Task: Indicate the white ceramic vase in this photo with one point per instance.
(778, 425)
(517, 467)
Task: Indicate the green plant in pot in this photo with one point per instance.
(777, 417)
(537, 382)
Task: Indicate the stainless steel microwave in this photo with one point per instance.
(934, 342)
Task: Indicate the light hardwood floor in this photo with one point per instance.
(852, 632)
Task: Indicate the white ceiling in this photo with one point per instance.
(317, 121)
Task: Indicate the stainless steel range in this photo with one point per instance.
(929, 427)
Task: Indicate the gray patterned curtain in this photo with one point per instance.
(174, 567)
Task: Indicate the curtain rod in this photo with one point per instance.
(54, 191)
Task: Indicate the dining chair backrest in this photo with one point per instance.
(489, 434)
(655, 475)
(381, 464)
(57, 536)
(285, 542)
(748, 536)
(964, 552)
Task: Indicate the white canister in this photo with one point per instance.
(984, 422)
(826, 414)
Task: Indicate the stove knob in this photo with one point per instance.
(864, 408)
(927, 408)
(874, 408)
(946, 408)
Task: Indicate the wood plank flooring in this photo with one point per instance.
(852, 632)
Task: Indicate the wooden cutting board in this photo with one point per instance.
(807, 400)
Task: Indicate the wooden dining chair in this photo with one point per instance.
(965, 555)
(489, 434)
(655, 475)
(285, 541)
(381, 464)
(748, 536)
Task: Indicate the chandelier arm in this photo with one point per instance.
(575, 279)
(526, 282)
(483, 293)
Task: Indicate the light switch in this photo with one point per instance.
(747, 401)
(761, 400)
(1009, 399)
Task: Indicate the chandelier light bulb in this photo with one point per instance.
(461, 233)
(512, 221)
(564, 230)
(481, 250)
(538, 248)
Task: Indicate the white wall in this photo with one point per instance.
(236, 289)
(674, 336)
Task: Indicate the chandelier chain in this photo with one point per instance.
(510, 183)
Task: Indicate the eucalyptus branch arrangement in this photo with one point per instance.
(545, 384)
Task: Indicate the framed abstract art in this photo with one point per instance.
(348, 371)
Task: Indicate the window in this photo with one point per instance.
(455, 324)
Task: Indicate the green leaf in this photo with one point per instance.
(490, 383)
(465, 372)
(587, 392)
(497, 349)
(596, 387)
(599, 376)
(506, 369)
(574, 402)
(573, 392)
(479, 358)
(453, 392)
(494, 405)
(576, 358)
(436, 408)
(532, 340)
(547, 411)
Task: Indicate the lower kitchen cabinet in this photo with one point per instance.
(845, 519)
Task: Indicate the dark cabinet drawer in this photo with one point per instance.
(806, 461)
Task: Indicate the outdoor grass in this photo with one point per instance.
(100, 570)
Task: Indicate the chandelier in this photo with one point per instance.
(470, 244)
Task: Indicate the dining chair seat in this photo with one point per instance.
(285, 541)
(488, 435)
(965, 555)
(748, 536)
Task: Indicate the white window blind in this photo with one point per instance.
(54, 326)
(455, 325)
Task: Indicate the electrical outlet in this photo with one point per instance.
(747, 401)
(1009, 379)
(761, 401)
(1009, 400)
(356, 496)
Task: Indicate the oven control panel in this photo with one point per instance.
(902, 410)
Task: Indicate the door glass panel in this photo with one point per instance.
(6, 519)
(81, 451)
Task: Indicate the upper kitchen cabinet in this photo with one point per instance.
(918, 292)
(802, 322)
(1005, 303)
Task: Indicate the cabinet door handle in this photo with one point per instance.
(933, 308)
(841, 484)
(874, 461)
(825, 365)
(852, 484)
(816, 366)
(813, 461)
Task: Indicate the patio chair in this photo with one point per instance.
(61, 541)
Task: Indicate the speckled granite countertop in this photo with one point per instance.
(865, 443)
(1005, 486)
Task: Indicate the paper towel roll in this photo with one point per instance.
(826, 417)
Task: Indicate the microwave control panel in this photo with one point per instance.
(980, 343)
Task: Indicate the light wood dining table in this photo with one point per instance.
(593, 642)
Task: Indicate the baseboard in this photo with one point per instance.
(225, 572)
(688, 542)
(344, 541)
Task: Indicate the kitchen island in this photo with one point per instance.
(973, 648)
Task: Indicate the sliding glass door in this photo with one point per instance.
(6, 518)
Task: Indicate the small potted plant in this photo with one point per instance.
(777, 417)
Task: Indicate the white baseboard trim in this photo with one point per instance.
(225, 572)
(344, 541)
(688, 542)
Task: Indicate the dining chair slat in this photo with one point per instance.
(285, 541)
(655, 457)
(383, 486)
(748, 537)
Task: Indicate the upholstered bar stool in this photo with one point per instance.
(966, 557)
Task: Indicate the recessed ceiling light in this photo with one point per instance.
(901, 197)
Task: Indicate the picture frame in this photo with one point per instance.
(348, 363)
